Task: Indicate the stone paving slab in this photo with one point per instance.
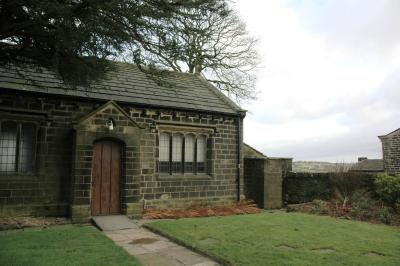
(150, 259)
(154, 250)
(184, 255)
(113, 222)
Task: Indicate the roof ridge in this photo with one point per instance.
(159, 69)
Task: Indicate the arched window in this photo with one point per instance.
(164, 150)
(201, 154)
(177, 141)
(189, 153)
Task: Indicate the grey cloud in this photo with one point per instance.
(361, 32)
(361, 140)
(367, 28)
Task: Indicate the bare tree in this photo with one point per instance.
(213, 43)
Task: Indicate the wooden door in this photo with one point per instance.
(106, 172)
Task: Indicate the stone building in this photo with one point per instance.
(128, 142)
(391, 151)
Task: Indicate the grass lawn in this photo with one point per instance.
(61, 245)
(287, 239)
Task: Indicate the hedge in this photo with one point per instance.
(305, 187)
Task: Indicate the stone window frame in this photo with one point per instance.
(183, 171)
(19, 121)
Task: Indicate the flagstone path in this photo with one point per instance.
(154, 250)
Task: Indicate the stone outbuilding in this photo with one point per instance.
(123, 144)
(263, 177)
(391, 151)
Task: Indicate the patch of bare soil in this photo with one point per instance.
(373, 254)
(202, 211)
(8, 223)
(373, 214)
(324, 250)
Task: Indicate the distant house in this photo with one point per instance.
(391, 151)
(123, 144)
(366, 165)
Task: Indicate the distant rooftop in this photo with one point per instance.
(368, 165)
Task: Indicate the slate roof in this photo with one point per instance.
(127, 85)
(394, 132)
(368, 165)
(250, 152)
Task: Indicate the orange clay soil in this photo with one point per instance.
(201, 211)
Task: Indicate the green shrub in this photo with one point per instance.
(388, 188)
(362, 205)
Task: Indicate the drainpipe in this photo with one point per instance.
(239, 149)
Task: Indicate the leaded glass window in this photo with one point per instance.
(189, 154)
(201, 154)
(177, 142)
(164, 153)
(17, 147)
(185, 154)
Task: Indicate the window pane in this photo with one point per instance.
(27, 148)
(164, 167)
(201, 154)
(164, 153)
(177, 141)
(189, 154)
(8, 147)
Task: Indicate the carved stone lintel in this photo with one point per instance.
(186, 128)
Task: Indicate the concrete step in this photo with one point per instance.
(113, 222)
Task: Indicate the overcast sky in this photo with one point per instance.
(330, 82)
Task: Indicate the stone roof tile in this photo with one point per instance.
(127, 84)
(372, 165)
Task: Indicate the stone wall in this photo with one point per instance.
(63, 179)
(275, 171)
(48, 191)
(391, 152)
(254, 180)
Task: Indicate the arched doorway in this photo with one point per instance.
(106, 173)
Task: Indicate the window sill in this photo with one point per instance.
(10, 178)
(183, 176)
